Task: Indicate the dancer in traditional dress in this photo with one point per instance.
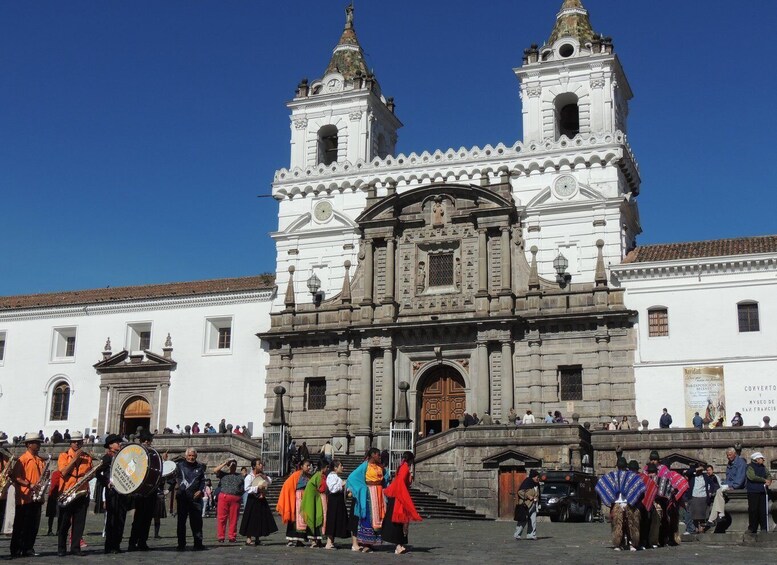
(336, 512)
(366, 483)
(290, 505)
(257, 519)
(400, 510)
(314, 505)
(622, 490)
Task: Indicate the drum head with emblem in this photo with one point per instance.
(129, 468)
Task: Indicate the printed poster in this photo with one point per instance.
(704, 393)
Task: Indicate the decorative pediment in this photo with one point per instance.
(124, 361)
(678, 460)
(546, 197)
(511, 458)
(305, 223)
(440, 202)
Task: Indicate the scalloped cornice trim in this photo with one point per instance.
(694, 267)
(459, 165)
(137, 306)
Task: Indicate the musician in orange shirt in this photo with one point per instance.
(26, 475)
(73, 464)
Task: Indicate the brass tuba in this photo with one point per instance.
(70, 495)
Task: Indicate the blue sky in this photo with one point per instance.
(135, 136)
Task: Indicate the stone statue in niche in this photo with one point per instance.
(438, 212)
(420, 281)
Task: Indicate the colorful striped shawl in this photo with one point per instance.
(627, 483)
(651, 490)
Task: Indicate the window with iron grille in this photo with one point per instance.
(225, 338)
(60, 401)
(441, 269)
(658, 322)
(570, 382)
(748, 317)
(70, 348)
(144, 341)
(316, 394)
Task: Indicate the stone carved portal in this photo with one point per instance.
(136, 413)
(442, 400)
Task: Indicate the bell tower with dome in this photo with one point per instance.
(343, 116)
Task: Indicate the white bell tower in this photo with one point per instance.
(574, 83)
(343, 116)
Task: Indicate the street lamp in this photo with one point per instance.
(314, 284)
(560, 264)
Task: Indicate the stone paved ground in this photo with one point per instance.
(433, 541)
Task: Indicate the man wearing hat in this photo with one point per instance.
(144, 508)
(26, 475)
(758, 481)
(622, 490)
(526, 509)
(115, 503)
(73, 464)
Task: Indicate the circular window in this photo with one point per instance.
(566, 50)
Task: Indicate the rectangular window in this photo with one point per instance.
(316, 394)
(145, 340)
(2, 346)
(225, 338)
(138, 336)
(748, 317)
(64, 344)
(570, 382)
(658, 322)
(441, 269)
(218, 335)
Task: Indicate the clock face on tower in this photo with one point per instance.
(323, 211)
(565, 186)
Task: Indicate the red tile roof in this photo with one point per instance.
(125, 293)
(699, 249)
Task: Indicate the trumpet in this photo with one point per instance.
(39, 489)
(72, 494)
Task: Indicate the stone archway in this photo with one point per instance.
(136, 413)
(442, 400)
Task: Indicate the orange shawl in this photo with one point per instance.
(287, 502)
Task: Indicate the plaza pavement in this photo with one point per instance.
(433, 541)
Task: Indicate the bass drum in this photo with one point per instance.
(136, 469)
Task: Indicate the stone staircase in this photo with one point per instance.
(429, 506)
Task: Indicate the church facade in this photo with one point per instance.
(477, 276)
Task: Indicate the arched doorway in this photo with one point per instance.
(136, 413)
(442, 400)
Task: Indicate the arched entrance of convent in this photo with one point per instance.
(136, 413)
(442, 400)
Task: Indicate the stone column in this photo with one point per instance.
(389, 296)
(364, 430)
(483, 389)
(341, 425)
(482, 263)
(368, 271)
(535, 374)
(508, 382)
(163, 405)
(604, 388)
(388, 388)
(506, 284)
(102, 413)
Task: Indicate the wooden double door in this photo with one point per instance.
(510, 480)
(442, 401)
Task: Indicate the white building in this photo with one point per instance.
(178, 353)
(706, 330)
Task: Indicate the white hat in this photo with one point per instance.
(76, 436)
(32, 436)
(757, 455)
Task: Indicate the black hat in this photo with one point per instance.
(112, 438)
(621, 464)
(533, 473)
(652, 468)
(633, 465)
(654, 456)
(145, 435)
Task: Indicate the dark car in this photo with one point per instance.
(568, 495)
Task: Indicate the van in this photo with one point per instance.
(568, 495)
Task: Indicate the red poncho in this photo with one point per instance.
(404, 509)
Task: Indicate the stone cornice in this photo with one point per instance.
(462, 165)
(694, 267)
(137, 306)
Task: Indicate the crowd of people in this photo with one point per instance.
(648, 504)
